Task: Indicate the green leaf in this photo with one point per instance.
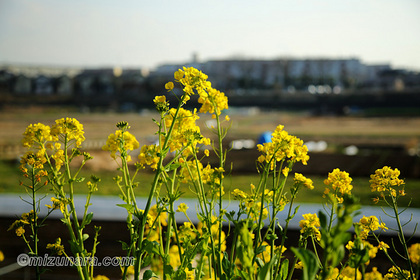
(151, 247)
(87, 220)
(73, 247)
(284, 270)
(322, 219)
(310, 266)
(264, 272)
(129, 207)
(148, 274)
(79, 180)
(124, 245)
(171, 167)
(227, 266)
(85, 236)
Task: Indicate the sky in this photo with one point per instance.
(137, 33)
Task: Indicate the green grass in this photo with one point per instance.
(11, 176)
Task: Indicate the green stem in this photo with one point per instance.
(402, 237)
(159, 170)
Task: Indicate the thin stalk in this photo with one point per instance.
(402, 238)
(153, 189)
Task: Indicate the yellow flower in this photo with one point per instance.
(162, 215)
(1, 256)
(227, 118)
(283, 146)
(340, 183)
(414, 253)
(213, 101)
(239, 195)
(161, 104)
(57, 204)
(178, 74)
(122, 142)
(100, 277)
(189, 274)
(302, 180)
(56, 247)
(373, 275)
(299, 265)
(370, 223)
(385, 180)
(149, 156)
(182, 208)
(69, 129)
(383, 246)
(36, 133)
(185, 130)
(34, 160)
(310, 226)
(397, 274)
(169, 86)
(18, 226)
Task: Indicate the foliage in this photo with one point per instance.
(163, 248)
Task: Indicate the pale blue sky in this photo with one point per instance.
(141, 33)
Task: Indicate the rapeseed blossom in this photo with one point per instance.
(56, 204)
(340, 183)
(18, 225)
(369, 224)
(310, 226)
(414, 253)
(213, 101)
(397, 274)
(36, 133)
(149, 156)
(56, 247)
(182, 208)
(373, 275)
(67, 129)
(33, 160)
(372, 250)
(302, 180)
(161, 104)
(192, 79)
(121, 142)
(282, 146)
(185, 133)
(385, 180)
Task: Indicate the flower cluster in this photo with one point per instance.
(36, 133)
(192, 79)
(57, 204)
(369, 224)
(149, 156)
(300, 180)
(395, 273)
(340, 183)
(185, 133)
(18, 225)
(414, 253)
(56, 247)
(213, 101)
(385, 180)
(69, 129)
(310, 226)
(283, 146)
(121, 141)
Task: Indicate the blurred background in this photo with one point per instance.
(344, 76)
